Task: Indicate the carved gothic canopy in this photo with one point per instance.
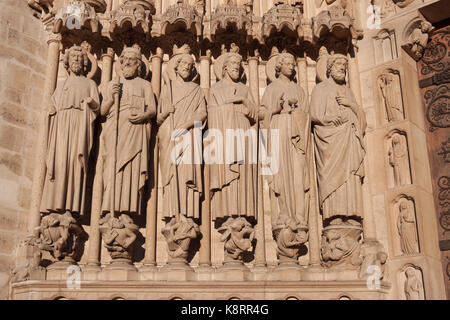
(134, 12)
(335, 20)
(76, 15)
(280, 16)
(227, 14)
(183, 13)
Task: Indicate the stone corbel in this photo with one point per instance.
(416, 38)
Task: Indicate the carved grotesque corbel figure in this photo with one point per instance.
(419, 39)
(238, 234)
(290, 234)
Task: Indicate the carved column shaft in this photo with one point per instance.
(260, 250)
(97, 192)
(40, 169)
(302, 76)
(208, 8)
(152, 207)
(205, 227)
(314, 236)
(355, 85)
(158, 7)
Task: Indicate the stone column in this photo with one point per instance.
(158, 7)
(152, 205)
(302, 76)
(260, 250)
(51, 77)
(208, 7)
(355, 85)
(313, 220)
(205, 226)
(97, 190)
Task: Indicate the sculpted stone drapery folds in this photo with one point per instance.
(231, 109)
(182, 106)
(70, 125)
(389, 83)
(406, 226)
(285, 107)
(399, 160)
(339, 125)
(128, 105)
(413, 286)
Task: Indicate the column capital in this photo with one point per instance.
(54, 37)
(159, 54)
(108, 52)
(255, 58)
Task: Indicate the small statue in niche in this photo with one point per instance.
(399, 160)
(238, 234)
(389, 83)
(413, 287)
(406, 226)
(419, 38)
(181, 112)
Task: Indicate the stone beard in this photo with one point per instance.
(233, 181)
(339, 147)
(70, 135)
(189, 106)
(136, 106)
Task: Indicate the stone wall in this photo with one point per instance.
(22, 64)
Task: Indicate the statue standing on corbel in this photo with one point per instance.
(70, 126)
(231, 109)
(339, 125)
(128, 105)
(181, 116)
(285, 109)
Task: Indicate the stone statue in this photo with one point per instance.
(182, 105)
(406, 226)
(74, 107)
(419, 38)
(238, 234)
(339, 125)
(399, 160)
(374, 259)
(70, 126)
(285, 107)
(413, 285)
(231, 108)
(389, 83)
(128, 105)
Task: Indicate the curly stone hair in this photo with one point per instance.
(137, 55)
(76, 49)
(279, 61)
(332, 59)
(227, 59)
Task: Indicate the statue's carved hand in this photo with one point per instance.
(344, 101)
(52, 110)
(138, 118)
(170, 109)
(336, 121)
(115, 90)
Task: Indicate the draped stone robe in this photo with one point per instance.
(233, 182)
(190, 105)
(70, 137)
(132, 165)
(291, 181)
(339, 152)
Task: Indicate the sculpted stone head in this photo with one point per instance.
(285, 65)
(76, 60)
(184, 66)
(232, 66)
(337, 67)
(130, 61)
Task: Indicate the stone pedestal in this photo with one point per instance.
(176, 272)
(233, 271)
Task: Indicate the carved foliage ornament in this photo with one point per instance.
(227, 14)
